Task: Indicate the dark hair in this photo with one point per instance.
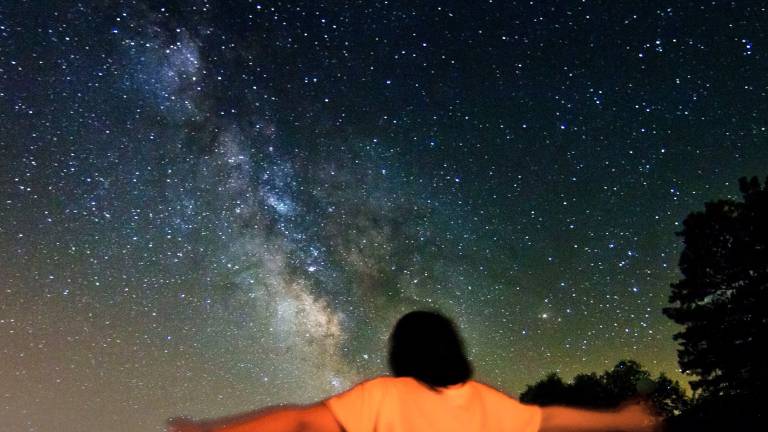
(425, 345)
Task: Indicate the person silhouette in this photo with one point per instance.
(430, 389)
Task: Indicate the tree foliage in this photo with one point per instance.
(627, 380)
(722, 298)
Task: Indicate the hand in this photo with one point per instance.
(183, 424)
(640, 415)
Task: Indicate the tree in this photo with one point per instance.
(722, 299)
(627, 380)
(588, 390)
(549, 391)
(668, 397)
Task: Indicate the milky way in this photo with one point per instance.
(208, 207)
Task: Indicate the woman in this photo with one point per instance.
(430, 390)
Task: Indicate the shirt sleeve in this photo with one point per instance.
(512, 414)
(523, 417)
(356, 408)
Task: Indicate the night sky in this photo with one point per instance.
(207, 207)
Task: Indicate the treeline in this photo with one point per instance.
(722, 303)
(626, 381)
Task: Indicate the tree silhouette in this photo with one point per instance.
(668, 397)
(722, 299)
(627, 380)
(549, 391)
(589, 390)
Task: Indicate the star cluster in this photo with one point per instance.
(208, 207)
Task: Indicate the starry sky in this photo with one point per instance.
(207, 207)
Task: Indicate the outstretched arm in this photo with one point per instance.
(634, 417)
(312, 418)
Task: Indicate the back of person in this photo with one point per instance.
(403, 404)
(431, 390)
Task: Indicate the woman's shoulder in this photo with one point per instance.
(388, 380)
(398, 383)
(489, 389)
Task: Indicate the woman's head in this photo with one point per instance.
(426, 346)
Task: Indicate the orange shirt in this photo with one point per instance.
(388, 404)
